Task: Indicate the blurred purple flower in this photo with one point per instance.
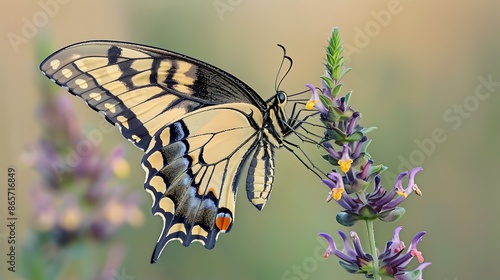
(77, 199)
(65, 166)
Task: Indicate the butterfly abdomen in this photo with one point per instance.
(260, 175)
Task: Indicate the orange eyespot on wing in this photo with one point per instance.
(223, 221)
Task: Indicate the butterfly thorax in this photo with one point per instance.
(275, 125)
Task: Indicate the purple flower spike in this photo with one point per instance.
(355, 182)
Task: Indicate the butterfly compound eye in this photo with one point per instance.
(281, 97)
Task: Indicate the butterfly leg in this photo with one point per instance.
(310, 165)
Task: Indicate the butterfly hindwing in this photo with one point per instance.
(197, 125)
(191, 180)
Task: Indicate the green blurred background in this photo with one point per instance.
(415, 63)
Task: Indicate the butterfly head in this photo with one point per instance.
(276, 117)
(278, 100)
(281, 98)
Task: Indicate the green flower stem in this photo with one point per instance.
(373, 248)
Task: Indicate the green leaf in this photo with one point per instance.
(338, 51)
(356, 136)
(335, 54)
(412, 275)
(328, 81)
(336, 72)
(331, 60)
(336, 34)
(329, 159)
(341, 60)
(347, 98)
(349, 267)
(341, 50)
(374, 171)
(335, 134)
(377, 168)
(346, 70)
(357, 186)
(328, 71)
(334, 114)
(336, 90)
(393, 215)
(368, 129)
(347, 219)
(368, 213)
(365, 146)
(327, 102)
(323, 140)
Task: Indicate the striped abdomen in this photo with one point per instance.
(260, 174)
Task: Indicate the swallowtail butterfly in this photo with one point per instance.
(197, 125)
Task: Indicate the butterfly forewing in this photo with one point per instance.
(196, 124)
(134, 85)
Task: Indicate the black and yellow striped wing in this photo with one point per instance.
(197, 125)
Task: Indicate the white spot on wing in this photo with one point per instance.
(81, 83)
(136, 138)
(66, 72)
(95, 96)
(110, 107)
(55, 64)
(123, 120)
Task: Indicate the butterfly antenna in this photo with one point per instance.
(287, 58)
(298, 93)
